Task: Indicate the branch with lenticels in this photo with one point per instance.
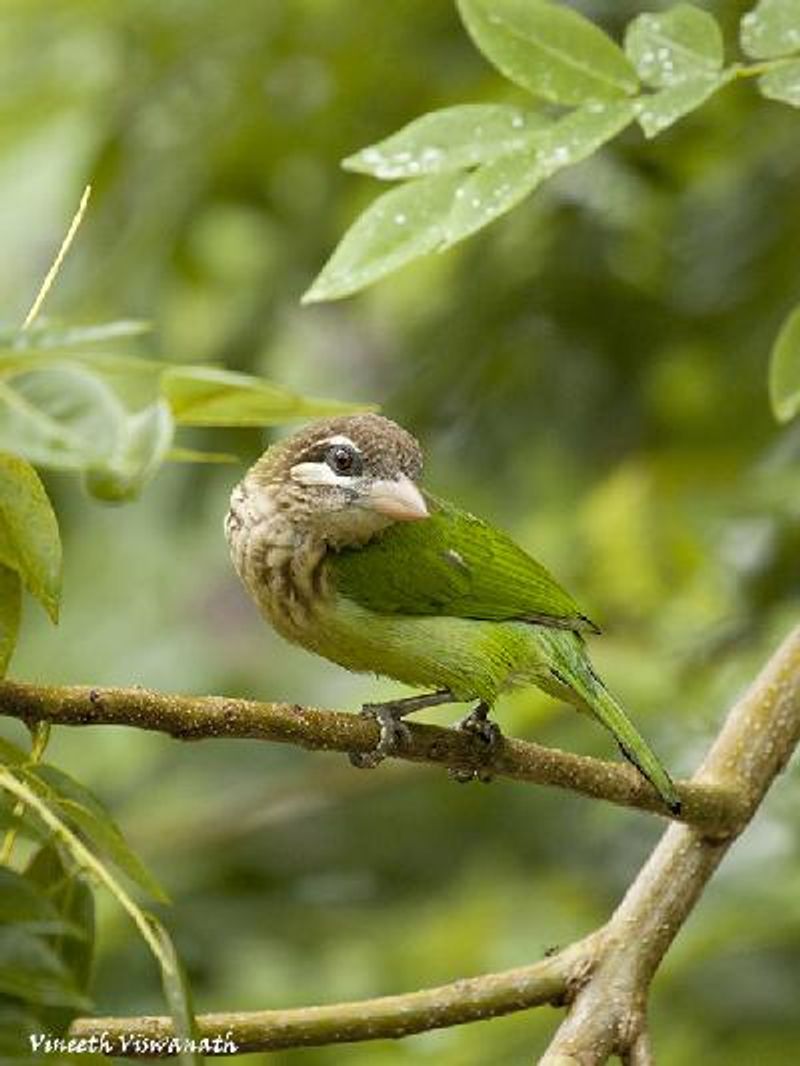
(602, 980)
(709, 805)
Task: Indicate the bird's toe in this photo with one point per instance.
(478, 724)
(394, 734)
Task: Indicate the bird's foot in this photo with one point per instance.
(394, 734)
(478, 724)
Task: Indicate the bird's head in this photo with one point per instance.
(342, 479)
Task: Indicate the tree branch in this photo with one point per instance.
(469, 1000)
(605, 978)
(755, 744)
(708, 804)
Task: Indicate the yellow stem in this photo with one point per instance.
(52, 273)
(40, 737)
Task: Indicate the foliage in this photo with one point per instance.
(47, 908)
(587, 370)
(68, 401)
(488, 158)
(503, 154)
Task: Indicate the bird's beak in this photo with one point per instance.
(399, 499)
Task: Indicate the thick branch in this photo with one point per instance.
(605, 977)
(462, 1001)
(707, 804)
(756, 742)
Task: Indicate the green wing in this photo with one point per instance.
(454, 564)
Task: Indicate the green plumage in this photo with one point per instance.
(331, 534)
(457, 565)
(451, 602)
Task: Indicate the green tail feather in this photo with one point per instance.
(576, 673)
(632, 744)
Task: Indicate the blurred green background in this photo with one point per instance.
(589, 373)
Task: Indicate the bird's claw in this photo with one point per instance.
(394, 734)
(478, 724)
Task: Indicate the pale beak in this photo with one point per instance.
(399, 499)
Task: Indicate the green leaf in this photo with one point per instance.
(80, 807)
(178, 994)
(784, 369)
(207, 396)
(30, 970)
(143, 442)
(68, 417)
(16, 1023)
(10, 612)
(44, 333)
(782, 83)
(682, 42)
(18, 360)
(491, 191)
(133, 381)
(22, 823)
(655, 112)
(455, 138)
(399, 226)
(29, 540)
(74, 901)
(60, 417)
(106, 837)
(23, 903)
(680, 52)
(432, 213)
(22, 786)
(551, 51)
(771, 29)
(496, 187)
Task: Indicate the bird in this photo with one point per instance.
(346, 555)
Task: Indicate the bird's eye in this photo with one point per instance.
(344, 460)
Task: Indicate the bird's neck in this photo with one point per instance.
(278, 555)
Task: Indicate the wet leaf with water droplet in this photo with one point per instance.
(491, 191)
(683, 42)
(657, 111)
(771, 29)
(498, 186)
(550, 50)
(377, 243)
(782, 84)
(435, 212)
(455, 138)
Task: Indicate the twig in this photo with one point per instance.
(467, 1000)
(709, 805)
(52, 273)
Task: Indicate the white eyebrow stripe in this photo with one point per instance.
(318, 474)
